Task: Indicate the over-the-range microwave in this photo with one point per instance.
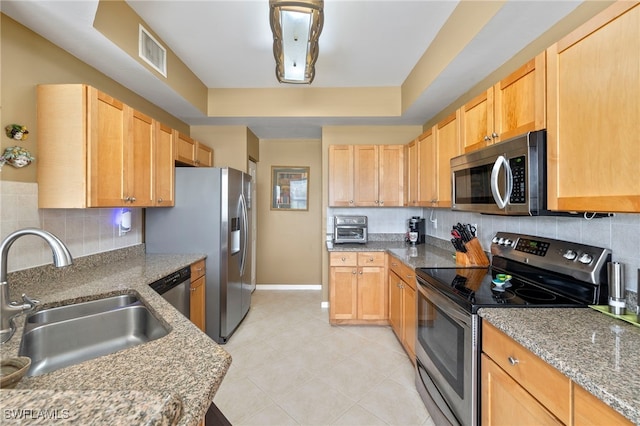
(508, 178)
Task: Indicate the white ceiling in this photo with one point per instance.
(228, 44)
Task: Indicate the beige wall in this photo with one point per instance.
(230, 144)
(28, 60)
(289, 242)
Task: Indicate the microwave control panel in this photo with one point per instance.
(519, 172)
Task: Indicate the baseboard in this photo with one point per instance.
(288, 287)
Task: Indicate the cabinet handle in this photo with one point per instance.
(132, 199)
(371, 259)
(353, 272)
(160, 200)
(409, 276)
(382, 203)
(360, 272)
(513, 361)
(394, 264)
(494, 135)
(343, 259)
(487, 138)
(193, 289)
(350, 201)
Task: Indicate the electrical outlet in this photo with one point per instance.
(475, 225)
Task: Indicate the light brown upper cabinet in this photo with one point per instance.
(366, 175)
(413, 172)
(513, 106)
(191, 152)
(94, 151)
(164, 166)
(447, 143)
(593, 80)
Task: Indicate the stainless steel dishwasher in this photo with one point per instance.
(175, 289)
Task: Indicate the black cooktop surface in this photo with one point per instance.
(474, 288)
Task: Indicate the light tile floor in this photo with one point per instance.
(290, 367)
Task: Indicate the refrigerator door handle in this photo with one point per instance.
(245, 232)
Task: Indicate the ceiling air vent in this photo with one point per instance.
(152, 52)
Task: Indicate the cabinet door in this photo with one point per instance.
(593, 81)
(391, 175)
(343, 290)
(427, 169)
(410, 319)
(139, 160)
(412, 173)
(519, 100)
(185, 149)
(372, 293)
(504, 402)
(395, 303)
(590, 411)
(448, 146)
(204, 155)
(106, 150)
(197, 302)
(365, 188)
(341, 175)
(164, 166)
(476, 118)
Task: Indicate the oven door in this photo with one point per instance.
(447, 358)
(350, 234)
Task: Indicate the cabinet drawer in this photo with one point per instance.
(343, 258)
(542, 381)
(197, 269)
(406, 273)
(371, 258)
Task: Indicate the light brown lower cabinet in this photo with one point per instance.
(358, 288)
(517, 387)
(197, 299)
(402, 305)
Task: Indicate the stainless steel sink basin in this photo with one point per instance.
(76, 310)
(67, 335)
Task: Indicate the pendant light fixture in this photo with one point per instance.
(296, 27)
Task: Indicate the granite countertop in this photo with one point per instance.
(171, 380)
(598, 352)
(418, 256)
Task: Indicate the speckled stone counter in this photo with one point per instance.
(418, 256)
(600, 353)
(171, 380)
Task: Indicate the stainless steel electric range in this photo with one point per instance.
(539, 272)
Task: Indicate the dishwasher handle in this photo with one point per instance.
(165, 284)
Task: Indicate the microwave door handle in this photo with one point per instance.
(495, 173)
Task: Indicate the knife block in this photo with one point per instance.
(475, 255)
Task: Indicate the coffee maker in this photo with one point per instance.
(417, 224)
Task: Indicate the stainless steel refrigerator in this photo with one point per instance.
(211, 215)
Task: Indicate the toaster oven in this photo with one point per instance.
(350, 229)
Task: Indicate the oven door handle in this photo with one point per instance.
(495, 190)
(442, 302)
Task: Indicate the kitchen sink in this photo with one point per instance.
(67, 335)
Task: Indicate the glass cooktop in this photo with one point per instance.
(474, 288)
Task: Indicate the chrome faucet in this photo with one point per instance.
(8, 310)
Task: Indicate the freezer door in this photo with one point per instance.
(232, 310)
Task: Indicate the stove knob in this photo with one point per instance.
(501, 241)
(570, 254)
(585, 258)
(495, 240)
(507, 242)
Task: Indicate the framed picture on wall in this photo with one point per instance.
(289, 188)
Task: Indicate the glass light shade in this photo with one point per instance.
(296, 27)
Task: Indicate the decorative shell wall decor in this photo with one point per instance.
(17, 132)
(16, 156)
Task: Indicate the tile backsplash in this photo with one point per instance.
(618, 233)
(84, 231)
